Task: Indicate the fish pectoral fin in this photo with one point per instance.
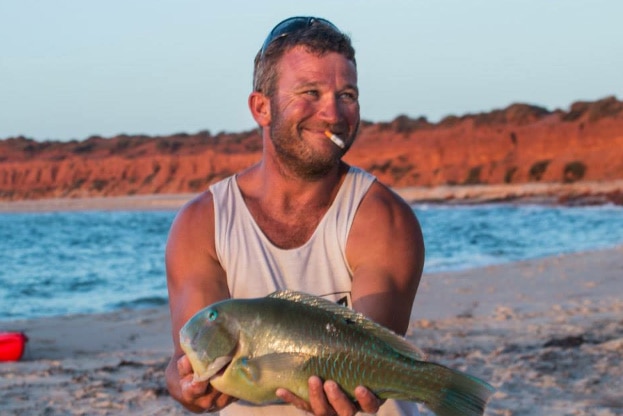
(271, 365)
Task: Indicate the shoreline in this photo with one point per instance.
(547, 333)
(579, 193)
(111, 203)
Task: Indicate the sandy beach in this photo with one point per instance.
(580, 193)
(134, 202)
(547, 333)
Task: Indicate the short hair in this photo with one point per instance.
(318, 38)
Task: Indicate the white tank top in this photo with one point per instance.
(256, 267)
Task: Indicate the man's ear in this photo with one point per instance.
(259, 104)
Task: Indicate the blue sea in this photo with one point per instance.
(60, 263)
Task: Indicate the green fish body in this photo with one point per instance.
(248, 348)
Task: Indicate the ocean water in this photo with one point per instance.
(84, 262)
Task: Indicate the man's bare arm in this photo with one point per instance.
(386, 253)
(194, 279)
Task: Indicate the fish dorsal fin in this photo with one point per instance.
(397, 342)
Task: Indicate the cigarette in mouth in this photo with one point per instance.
(338, 142)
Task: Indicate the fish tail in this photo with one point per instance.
(457, 394)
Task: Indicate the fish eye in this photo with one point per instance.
(212, 315)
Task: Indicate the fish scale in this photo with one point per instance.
(248, 348)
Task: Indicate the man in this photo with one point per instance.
(299, 219)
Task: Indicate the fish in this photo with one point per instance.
(248, 348)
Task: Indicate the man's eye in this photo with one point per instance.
(312, 93)
(348, 96)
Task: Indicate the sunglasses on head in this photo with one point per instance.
(291, 25)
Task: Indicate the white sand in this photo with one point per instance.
(548, 334)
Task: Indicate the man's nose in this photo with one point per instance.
(330, 109)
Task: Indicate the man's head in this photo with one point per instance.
(317, 35)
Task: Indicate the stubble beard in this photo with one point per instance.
(297, 156)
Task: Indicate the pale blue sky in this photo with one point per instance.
(72, 69)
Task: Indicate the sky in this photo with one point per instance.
(71, 69)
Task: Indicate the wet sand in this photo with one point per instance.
(547, 333)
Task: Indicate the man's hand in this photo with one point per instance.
(327, 399)
(198, 397)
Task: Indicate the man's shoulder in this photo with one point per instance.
(199, 208)
(382, 196)
(383, 209)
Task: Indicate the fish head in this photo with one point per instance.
(209, 339)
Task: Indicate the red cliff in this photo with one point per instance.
(521, 144)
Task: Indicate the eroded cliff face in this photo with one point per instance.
(519, 144)
(123, 165)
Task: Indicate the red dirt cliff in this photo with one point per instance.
(517, 145)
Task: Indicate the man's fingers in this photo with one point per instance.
(198, 396)
(202, 397)
(223, 400)
(183, 366)
(328, 399)
(338, 400)
(288, 397)
(367, 400)
(191, 390)
(317, 398)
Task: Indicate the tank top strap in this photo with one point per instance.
(344, 208)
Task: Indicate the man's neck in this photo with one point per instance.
(287, 209)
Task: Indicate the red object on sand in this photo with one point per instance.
(12, 345)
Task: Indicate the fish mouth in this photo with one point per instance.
(201, 371)
(214, 369)
(204, 369)
(209, 350)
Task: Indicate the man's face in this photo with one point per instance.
(314, 93)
